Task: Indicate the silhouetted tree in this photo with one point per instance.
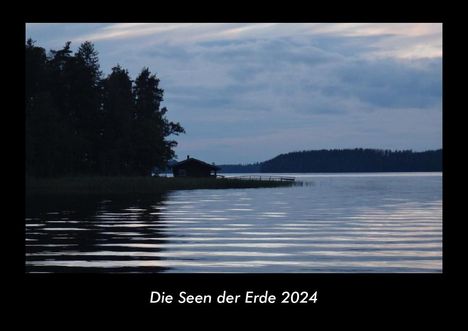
(151, 149)
(80, 123)
(118, 115)
(85, 96)
(43, 123)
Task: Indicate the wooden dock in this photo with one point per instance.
(262, 178)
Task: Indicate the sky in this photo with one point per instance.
(246, 92)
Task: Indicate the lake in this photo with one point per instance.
(336, 223)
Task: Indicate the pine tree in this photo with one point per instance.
(118, 114)
(79, 123)
(151, 149)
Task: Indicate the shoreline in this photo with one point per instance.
(138, 185)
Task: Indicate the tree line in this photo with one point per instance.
(346, 160)
(80, 122)
(355, 160)
(240, 168)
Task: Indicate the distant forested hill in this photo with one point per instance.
(240, 168)
(354, 160)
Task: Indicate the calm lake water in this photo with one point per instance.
(336, 223)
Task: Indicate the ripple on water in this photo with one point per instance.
(340, 224)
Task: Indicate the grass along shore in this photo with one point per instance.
(138, 185)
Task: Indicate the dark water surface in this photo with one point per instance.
(336, 223)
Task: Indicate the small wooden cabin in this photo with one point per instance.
(191, 167)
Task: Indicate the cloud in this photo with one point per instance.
(402, 40)
(132, 30)
(269, 75)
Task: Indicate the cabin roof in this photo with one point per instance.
(195, 161)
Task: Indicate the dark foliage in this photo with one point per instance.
(80, 123)
(355, 160)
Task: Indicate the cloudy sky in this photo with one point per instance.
(248, 92)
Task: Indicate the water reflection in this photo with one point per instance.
(71, 236)
(339, 224)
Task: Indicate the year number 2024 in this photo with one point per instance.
(299, 297)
